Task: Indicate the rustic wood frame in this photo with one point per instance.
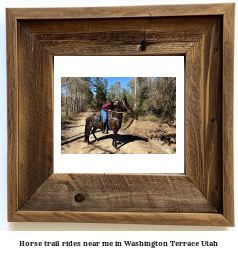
(202, 33)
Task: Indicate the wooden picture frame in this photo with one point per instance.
(204, 34)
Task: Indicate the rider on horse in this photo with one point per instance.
(105, 108)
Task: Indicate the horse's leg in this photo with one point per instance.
(93, 132)
(88, 127)
(87, 133)
(114, 141)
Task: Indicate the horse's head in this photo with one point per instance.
(126, 106)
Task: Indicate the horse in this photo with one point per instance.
(115, 121)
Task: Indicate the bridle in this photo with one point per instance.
(125, 106)
(123, 102)
(113, 118)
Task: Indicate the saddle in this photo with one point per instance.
(109, 117)
(98, 117)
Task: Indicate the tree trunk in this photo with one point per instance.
(65, 101)
(135, 95)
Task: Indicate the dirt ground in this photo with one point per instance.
(134, 137)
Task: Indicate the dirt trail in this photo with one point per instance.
(72, 140)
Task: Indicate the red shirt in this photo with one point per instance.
(108, 106)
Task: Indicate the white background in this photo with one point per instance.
(123, 66)
(9, 240)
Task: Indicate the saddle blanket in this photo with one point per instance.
(98, 118)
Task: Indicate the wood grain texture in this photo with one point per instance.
(174, 36)
(140, 193)
(35, 114)
(71, 48)
(227, 113)
(189, 26)
(204, 115)
(197, 219)
(121, 11)
(12, 114)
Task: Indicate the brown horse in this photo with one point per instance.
(115, 121)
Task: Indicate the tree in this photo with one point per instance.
(114, 91)
(153, 95)
(76, 95)
(124, 93)
(149, 95)
(101, 91)
(135, 94)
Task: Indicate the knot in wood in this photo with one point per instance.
(143, 45)
(79, 198)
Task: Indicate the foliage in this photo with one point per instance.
(114, 91)
(150, 97)
(76, 95)
(155, 95)
(100, 88)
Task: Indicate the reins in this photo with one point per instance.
(124, 106)
(113, 118)
(117, 111)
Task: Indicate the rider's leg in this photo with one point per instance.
(104, 120)
(105, 128)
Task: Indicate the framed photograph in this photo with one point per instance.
(153, 132)
(202, 195)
